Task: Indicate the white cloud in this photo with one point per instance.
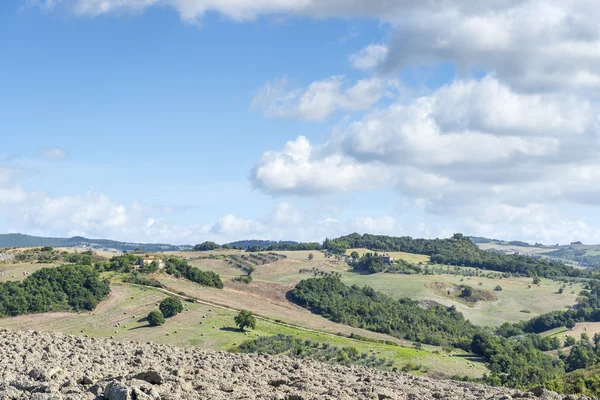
(301, 169)
(430, 139)
(320, 99)
(369, 57)
(12, 195)
(463, 145)
(533, 45)
(53, 153)
(90, 213)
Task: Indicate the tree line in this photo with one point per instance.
(458, 250)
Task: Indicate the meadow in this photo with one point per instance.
(16, 272)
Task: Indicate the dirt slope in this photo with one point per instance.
(51, 366)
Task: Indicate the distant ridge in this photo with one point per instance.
(21, 240)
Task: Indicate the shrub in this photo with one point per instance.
(156, 318)
(243, 279)
(498, 288)
(171, 306)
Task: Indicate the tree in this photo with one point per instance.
(206, 246)
(536, 280)
(355, 255)
(560, 291)
(245, 319)
(570, 324)
(498, 288)
(311, 256)
(156, 318)
(170, 306)
(569, 341)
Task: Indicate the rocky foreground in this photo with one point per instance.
(37, 365)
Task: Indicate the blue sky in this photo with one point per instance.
(287, 119)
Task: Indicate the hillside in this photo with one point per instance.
(20, 240)
(85, 368)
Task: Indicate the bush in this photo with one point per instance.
(243, 279)
(498, 288)
(156, 318)
(170, 307)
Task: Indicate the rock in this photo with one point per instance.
(86, 380)
(117, 391)
(150, 376)
(38, 365)
(226, 387)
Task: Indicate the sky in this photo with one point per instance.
(181, 121)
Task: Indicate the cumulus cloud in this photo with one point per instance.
(467, 143)
(533, 45)
(53, 153)
(320, 99)
(299, 168)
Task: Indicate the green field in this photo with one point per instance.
(15, 272)
(514, 297)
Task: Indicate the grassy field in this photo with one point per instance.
(590, 328)
(514, 297)
(396, 255)
(209, 327)
(15, 272)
